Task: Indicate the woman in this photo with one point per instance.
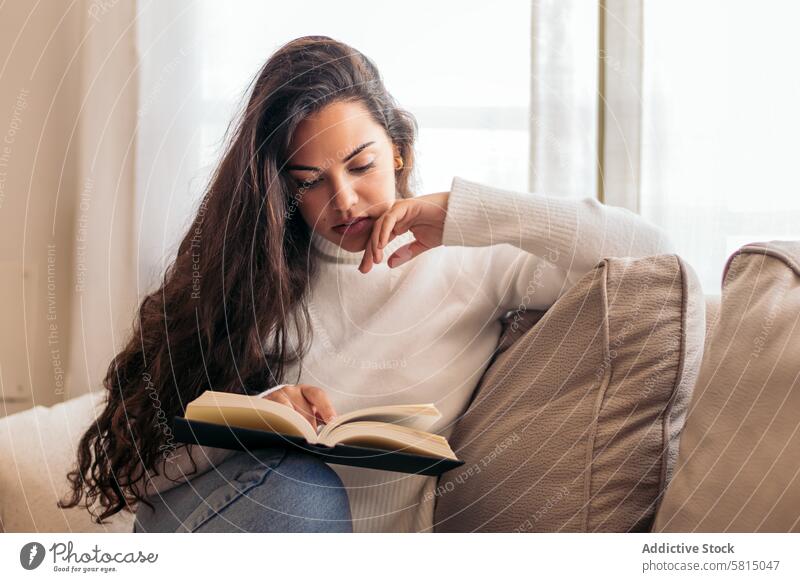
(319, 267)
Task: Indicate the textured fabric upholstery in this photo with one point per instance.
(575, 424)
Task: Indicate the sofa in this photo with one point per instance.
(638, 402)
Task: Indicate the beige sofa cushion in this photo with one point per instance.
(575, 426)
(739, 467)
(37, 450)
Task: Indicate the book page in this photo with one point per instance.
(390, 437)
(245, 411)
(416, 416)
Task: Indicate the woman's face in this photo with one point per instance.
(343, 168)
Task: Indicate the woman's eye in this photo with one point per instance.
(364, 168)
(307, 184)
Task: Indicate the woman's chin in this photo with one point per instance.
(353, 243)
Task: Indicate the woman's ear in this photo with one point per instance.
(397, 158)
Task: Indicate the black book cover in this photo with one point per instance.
(244, 439)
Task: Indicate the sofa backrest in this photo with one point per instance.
(528, 318)
(738, 464)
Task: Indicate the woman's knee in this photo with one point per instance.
(269, 490)
(202, 494)
(260, 492)
(301, 493)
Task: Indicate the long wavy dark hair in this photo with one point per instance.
(220, 318)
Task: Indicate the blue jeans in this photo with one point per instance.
(267, 490)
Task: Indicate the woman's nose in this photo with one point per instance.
(344, 197)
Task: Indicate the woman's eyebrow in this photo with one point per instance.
(347, 159)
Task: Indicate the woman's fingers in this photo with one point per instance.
(405, 253)
(292, 397)
(303, 406)
(373, 239)
(280, 397)
(386, 229)
(319, 399)
(366, 260)
(387, 226)
(424, 216)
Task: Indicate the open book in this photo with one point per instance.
(391, 428)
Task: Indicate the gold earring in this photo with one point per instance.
(399, 161)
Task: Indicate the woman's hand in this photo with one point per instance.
(310, 401)
(424, 216)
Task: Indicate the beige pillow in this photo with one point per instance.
(739, 462)
(575, 426)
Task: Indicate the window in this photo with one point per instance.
(462, 68)
(720, 126)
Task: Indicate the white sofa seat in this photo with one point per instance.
(37, 449)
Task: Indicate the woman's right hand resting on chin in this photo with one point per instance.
(310, 401)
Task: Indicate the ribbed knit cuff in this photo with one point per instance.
(271, 390)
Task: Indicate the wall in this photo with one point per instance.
(39, 101)
(66, 91)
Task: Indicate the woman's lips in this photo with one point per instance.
(357, 227)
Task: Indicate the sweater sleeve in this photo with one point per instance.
(545, 243)
(271, 390)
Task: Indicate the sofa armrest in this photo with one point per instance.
(37, 449)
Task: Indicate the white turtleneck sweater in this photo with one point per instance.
(425, 331)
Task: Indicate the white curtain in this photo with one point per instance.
(619, 61)
(681, 110)
(564, 86)
(720, 126)
(586, 99)
(170, 115)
